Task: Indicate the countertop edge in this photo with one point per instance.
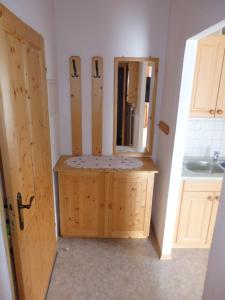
(61, 167)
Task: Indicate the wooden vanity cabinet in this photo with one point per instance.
(208, 97)
(105, 203)
(197, 214)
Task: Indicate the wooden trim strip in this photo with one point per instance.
(164, 127)
(97, 99)
(76, 110)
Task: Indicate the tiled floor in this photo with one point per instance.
(125, 269)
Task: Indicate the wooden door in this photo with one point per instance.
(220, 106)
(25, 146)
(213, 218)
(208, 68)
(195, 213)
(132, 83)
(82, 207)
(128, 197)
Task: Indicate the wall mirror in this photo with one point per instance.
(134, 105)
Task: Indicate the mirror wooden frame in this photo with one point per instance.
(149, 147)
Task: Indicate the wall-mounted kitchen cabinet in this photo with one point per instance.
(208, 97)
(197, 213)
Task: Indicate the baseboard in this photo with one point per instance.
(165, 257)
(158, 248)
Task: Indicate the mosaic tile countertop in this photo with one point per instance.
(103, 162)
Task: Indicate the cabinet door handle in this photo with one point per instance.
(217, 198)
(210, 198)
(219, 111)
(212, 111)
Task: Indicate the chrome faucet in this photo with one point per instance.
(216, 156)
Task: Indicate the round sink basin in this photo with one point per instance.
(203, 166)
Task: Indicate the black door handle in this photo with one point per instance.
(22, 206)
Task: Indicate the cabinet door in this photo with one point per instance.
(129, 197)
(220, 107)
(208, 68)
(213, 218)
(195, 213)
(81, 204)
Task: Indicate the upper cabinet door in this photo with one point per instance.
(220, 107)
(208, 68)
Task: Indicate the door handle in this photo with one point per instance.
(22, 206)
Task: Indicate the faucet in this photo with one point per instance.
(216, 156)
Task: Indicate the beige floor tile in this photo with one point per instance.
(125, 269)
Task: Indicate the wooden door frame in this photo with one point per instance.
(10, 262)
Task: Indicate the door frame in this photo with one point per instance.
(9, 262)
(187, 77)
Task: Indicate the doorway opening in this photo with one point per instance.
(8, 277)
(199, 148)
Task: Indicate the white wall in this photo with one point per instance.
(214, 282)
(5, 285)
(39, 15)
(187, 19)
(107, 28)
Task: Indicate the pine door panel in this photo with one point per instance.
(220, 106)
(18, 124)
(213, 218)
(129, 204)
(194, 219)
(82, 204)
(25, 146)
(208, 68)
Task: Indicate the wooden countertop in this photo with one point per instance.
(148, 166)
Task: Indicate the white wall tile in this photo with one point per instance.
(204, 136)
